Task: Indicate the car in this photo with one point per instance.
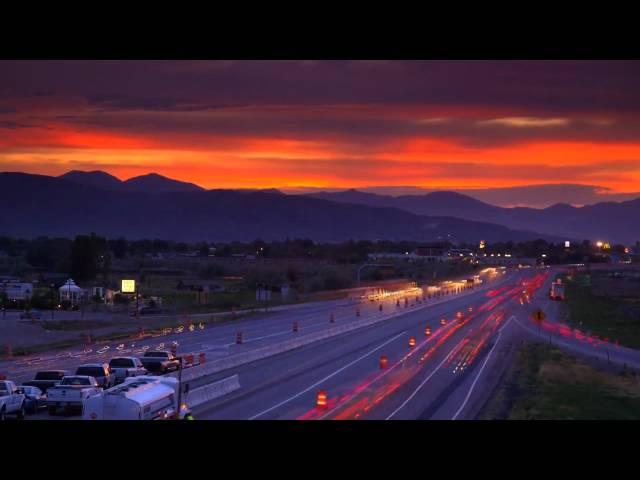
(34, 398)
(31, 315)
(100, 371)
(46, 379)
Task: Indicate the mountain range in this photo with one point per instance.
(157, 207)
(611, 221)
(150, 183)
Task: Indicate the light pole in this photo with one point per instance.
(179, 388)
(53, 300)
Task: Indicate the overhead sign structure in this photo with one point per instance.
(128, 286)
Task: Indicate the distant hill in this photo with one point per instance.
(95, 178)
(40, 205)
(150, 183)
(612, 221)
(154, 183)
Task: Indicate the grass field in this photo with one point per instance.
(601, 316)
(545, 384)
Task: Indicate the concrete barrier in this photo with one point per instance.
(200, 395)
(238, 359)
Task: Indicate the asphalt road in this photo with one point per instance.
(449, 374)
(217, 340)
(347, 367)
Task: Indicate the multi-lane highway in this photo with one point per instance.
(220, 340)
(436, 359)
(449, 374)
(427, 380)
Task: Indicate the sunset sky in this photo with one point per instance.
(230, 124)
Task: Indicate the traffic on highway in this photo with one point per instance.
(410, 354)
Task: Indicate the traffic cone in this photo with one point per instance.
(321, 399)
(383, 362)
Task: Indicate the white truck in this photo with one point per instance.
(125, 367)
(71, 393)
(11, 400)
(138, 398)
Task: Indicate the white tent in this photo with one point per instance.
(70, 292)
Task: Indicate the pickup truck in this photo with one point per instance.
(124, 367)
(46, 379)
(11, 400)
(72, 392)
(100, 371)
(160, 362)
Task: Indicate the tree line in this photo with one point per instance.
(90, 256)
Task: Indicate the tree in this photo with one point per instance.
(204, 249)
(89, 254)
(119, 247)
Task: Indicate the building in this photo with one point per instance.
(506, 261)
(393, 256)
(459, 253)
(436, 249)
(70, 292)
(16, 290)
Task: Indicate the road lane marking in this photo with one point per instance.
(424, 381)
(370, 352)
(473, 385)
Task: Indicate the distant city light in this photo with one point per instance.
(482, 245)
(544, 255)
(599, 244)
(567, 244)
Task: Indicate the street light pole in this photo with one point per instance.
(179, 388)
(53, 301)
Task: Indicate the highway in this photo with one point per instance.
(448, 375)
(347, 367)
(219, 340)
